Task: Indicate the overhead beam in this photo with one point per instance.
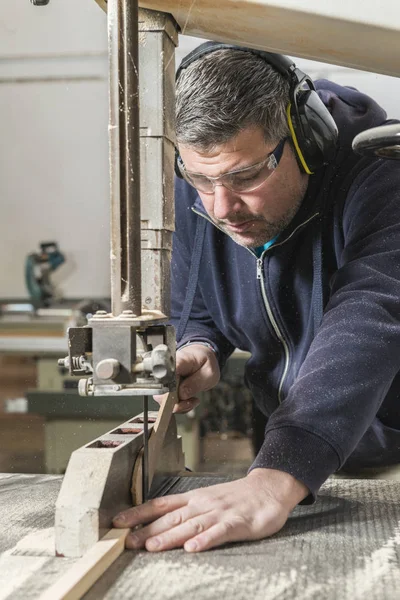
(360, 35)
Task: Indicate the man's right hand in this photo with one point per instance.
(198, 369)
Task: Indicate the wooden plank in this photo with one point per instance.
(88, 569)
(341, 33)
(159, 431)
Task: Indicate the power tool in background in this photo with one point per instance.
(38, 268)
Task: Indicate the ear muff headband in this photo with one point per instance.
(283, 64)
(314, 139)
(295, 142)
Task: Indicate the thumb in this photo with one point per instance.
(189, 360)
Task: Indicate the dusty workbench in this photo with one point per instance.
(346, 546)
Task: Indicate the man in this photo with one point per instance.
(299, 268)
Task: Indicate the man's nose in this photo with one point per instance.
(225, 202)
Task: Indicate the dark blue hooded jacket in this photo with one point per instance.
(319, 311)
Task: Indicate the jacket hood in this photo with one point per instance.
(352, 111)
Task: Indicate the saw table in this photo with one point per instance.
(346, 546)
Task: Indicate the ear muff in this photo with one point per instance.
(312, 128)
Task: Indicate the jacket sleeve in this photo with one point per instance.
(355, 354)
(200, 326)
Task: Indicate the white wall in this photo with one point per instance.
(53, 155)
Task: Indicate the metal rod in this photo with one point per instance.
(124, 156)
(145, 468)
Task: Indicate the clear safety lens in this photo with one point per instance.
(243, 180)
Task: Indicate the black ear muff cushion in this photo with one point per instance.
(320, 124)
(315, 129)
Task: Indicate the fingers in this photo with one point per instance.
(150, 511)
(185, 406)
(231, 527)
(160, 399)
(171, 531)
(204, 518)
(199, 369)
(195, 533)
(190, 359)
(201, 381)
(218, 534)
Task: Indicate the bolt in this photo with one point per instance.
(148, 300)
(127, 314)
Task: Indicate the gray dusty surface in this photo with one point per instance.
(346, 546)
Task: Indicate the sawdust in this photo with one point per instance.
(18, 569)
(380, 564)
(201, 579)
(36, 543)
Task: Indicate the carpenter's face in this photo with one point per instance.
(250, 218)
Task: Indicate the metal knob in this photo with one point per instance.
(108, 368)
(85, 387)
(160, 364)
(383, 141)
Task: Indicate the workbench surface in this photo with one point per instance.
(346, 546)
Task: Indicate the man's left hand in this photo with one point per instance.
(251, 508)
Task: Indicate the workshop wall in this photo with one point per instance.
(53, 156)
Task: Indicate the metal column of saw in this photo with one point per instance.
(131, 351)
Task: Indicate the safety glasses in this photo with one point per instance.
(242, 180)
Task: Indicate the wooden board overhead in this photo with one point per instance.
(363, 35)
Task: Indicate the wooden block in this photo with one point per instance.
(156, 444)
(96, 487)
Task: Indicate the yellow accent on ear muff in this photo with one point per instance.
(295, 142)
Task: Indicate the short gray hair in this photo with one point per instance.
(226, 91)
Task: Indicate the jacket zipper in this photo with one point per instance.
(274, 324)
(265, 297)
(267, 305)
